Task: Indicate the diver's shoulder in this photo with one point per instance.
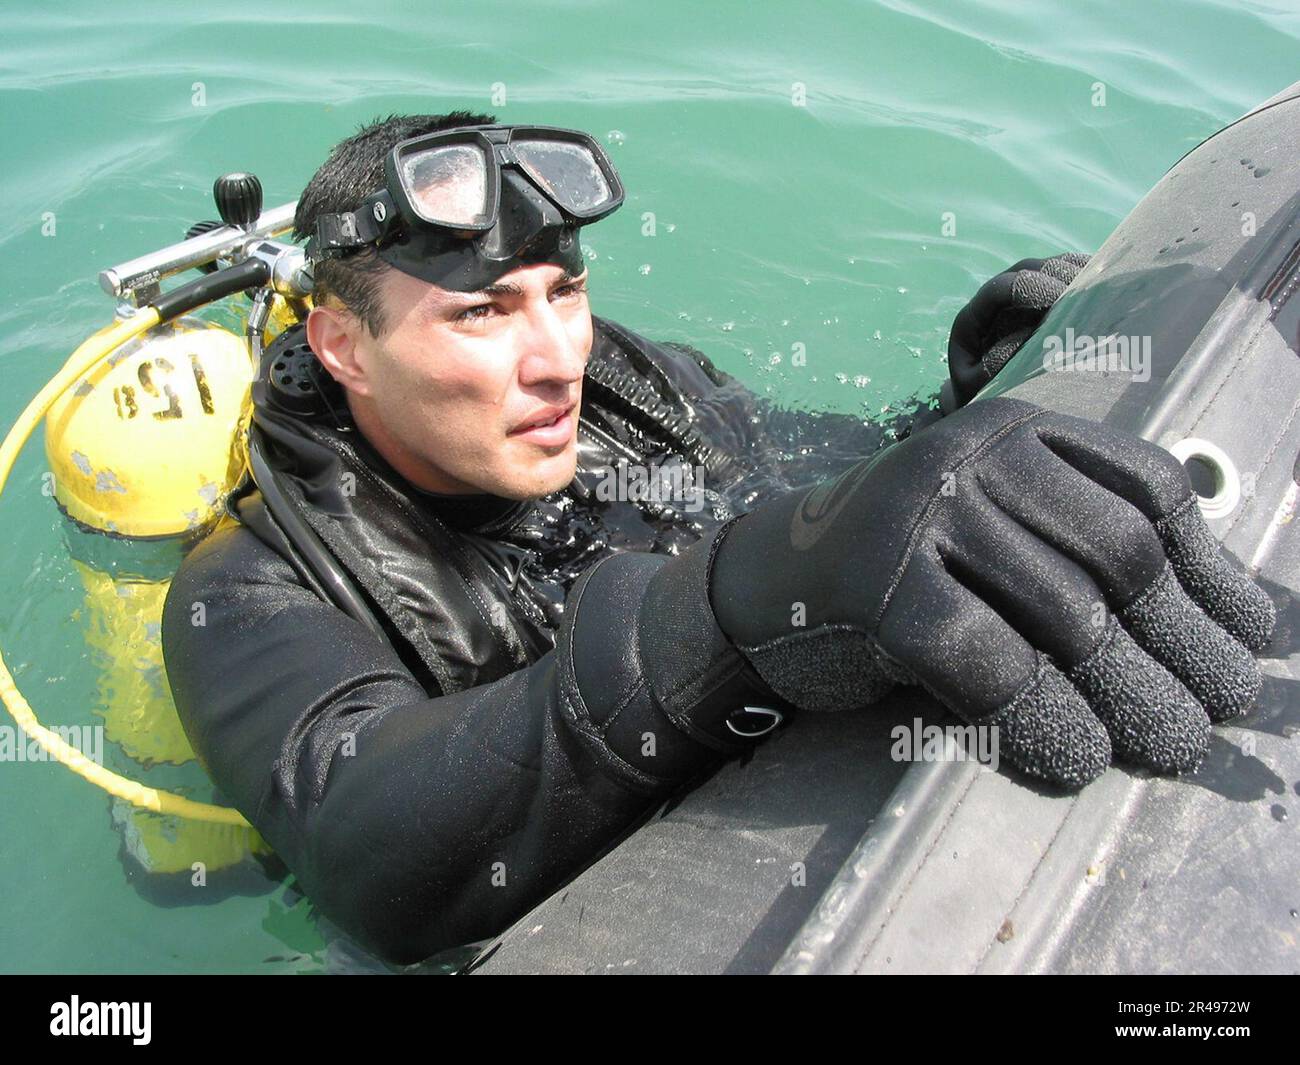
(231, 556)
(249, 536)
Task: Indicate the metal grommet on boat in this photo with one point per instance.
(767, 720)
(1206, 461)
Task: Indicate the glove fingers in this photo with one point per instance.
(1152, 719)
(1034, 290)
(1049, 732)
(1218, 670)
(1066, 267)
(1000, 353)
(1120, 550)
(1154, 482)
(961, 650)
(1224, 592)
(1046, 597)
(1110, 539)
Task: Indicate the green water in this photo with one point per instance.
(796, 162)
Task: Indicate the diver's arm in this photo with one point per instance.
(420, 823)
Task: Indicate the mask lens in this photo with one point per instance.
(448, 184)
(567, 172)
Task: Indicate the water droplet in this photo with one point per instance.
(616, 136)
(643, 269)
(727, 327)
(902, 291)
(588, 252)
(876, 335)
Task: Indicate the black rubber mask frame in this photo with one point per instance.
(532, 207)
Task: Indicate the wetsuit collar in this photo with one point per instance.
(480, 513)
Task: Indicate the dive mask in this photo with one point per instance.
(464, 206)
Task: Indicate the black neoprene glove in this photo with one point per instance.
(1001, 317)
(1038, 572)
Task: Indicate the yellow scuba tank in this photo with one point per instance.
(142, 453)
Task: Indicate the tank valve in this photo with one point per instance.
(239, 199)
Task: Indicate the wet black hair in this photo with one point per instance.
(355, 169)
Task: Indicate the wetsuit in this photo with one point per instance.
(525, 704)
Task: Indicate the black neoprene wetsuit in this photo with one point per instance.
(531, 701)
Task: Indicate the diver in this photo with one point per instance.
(441, 671)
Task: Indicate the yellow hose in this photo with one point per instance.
(81, 362)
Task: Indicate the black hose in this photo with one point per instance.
(337, 583)
(226, 282)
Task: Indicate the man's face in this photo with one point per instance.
(469, 392)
